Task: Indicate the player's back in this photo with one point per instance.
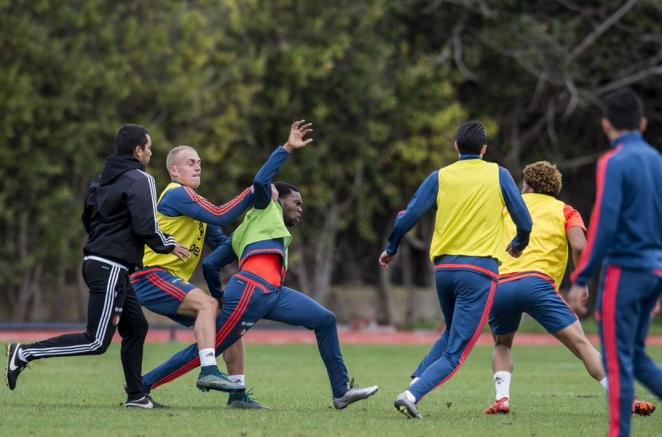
(547, 251)
(637, 168)
(469, 204)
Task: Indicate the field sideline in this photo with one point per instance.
(552, 395)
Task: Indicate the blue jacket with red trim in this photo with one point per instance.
(626, 222)
(185, 201)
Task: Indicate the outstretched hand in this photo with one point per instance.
(298, 131)
(578, 299)
(385, 259)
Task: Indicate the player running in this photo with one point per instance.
(470, 196)
(256, 292)
(625, 240)
(162, 285)
(119, 217)
(529, 284)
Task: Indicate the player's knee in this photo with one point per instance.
(328, 318)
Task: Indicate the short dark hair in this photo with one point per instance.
(129, 137)
(471, 137)
(624, 109)
(285, 189)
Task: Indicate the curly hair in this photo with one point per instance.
(543, 177)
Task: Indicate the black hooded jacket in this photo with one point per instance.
(120, 214)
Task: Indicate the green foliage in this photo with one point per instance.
(386, 83)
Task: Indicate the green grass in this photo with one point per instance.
(551, 394)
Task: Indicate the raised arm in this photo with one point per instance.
(266, 174)
(421, 202)
(518, 212)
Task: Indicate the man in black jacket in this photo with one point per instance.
(120, 218)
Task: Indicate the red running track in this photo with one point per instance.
(292, 336)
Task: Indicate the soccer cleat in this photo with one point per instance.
(244, 401)
(14, 364)
(643, 408)
(407, 407)
(218, 380)
(145, 402)
(500, 406)
(354, 393)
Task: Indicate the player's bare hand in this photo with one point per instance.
(385, 259)
(181, 252)
(656, 309)
(513, 252)
(274, 193)
(578, 299)
(298, 131)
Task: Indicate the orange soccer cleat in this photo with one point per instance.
(643, 408)
(501, 406)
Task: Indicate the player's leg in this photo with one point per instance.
(243, 306)
(133, 327)
(447, 304)
(646, 370)
(474, 295)
(102, 279)
(575, 340)
(295, 308)
(504, 320)
(171, 296)
(618, 312)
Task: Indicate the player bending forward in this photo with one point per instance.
(529, 284)
(257, 291)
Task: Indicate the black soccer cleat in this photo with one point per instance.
(14, 364)
(145, 402)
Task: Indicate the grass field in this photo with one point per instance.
(551, 394)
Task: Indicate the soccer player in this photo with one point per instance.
(119, 217)
(257, 291)
(529, 284)
(470, 196)
(163, 287)
(625, 241)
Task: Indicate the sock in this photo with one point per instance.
(207, 357)
(413, 380)
(604, 383)
(238, 378)
(502, 384)
(410, 397)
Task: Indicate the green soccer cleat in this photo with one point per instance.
(218, 380)
(354, 393)
(243, 400)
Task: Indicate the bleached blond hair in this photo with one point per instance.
(172, 155)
